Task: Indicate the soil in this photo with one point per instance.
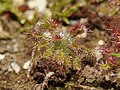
(15, 49)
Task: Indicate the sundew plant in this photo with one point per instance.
(71, 39)
(52, 40)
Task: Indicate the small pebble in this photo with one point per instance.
(40, 5)
(15, 67)
(101, 42)
(26, 65)
(29, 14)
(2, 57)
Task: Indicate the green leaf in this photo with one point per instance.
(77, 63)
(60, 55)
(43, 45)
(48, 53)
(116, 54)
(105, 66)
